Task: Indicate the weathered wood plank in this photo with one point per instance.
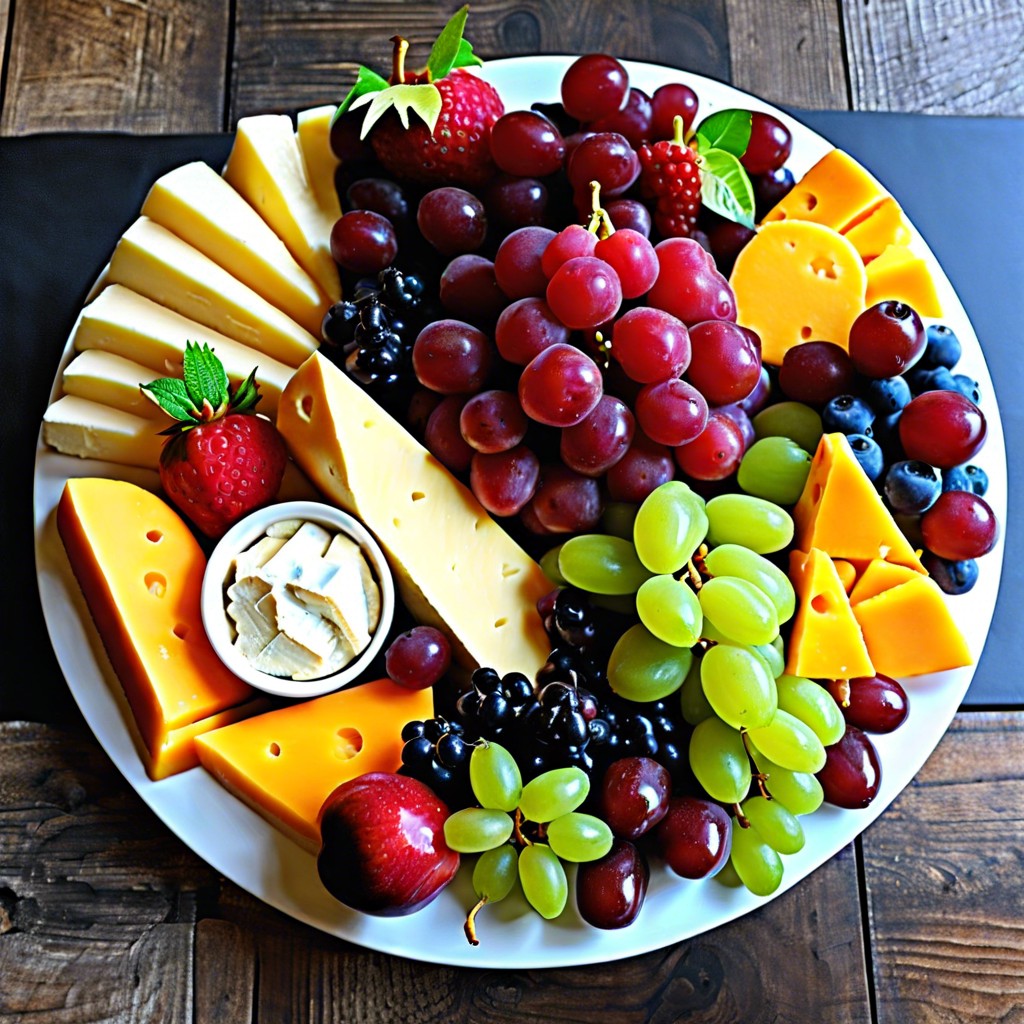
(225, 973)
(288, 59)
(944, 57)
(5, 19)
(97, 898)
(148, 66)
(794, 57)
(944, 882)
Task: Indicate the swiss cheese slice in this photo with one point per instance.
(110, 379)
(456, 568)
(156, 263)
(201, 208)
(835, 192)
(141, 570)
(265, 165)
(841, 513)
(826, 642)
(89, 430)
(286, 763)
(797, 281)
(313, 130)
(121, 321)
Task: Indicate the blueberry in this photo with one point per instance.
(847, 414)
(943, 347)
(936, 378)
(968, 387)
(956, 479)
(978, 478)
(868, 454)
(887, 395)
(912, 486)
(886, 433)
(952, 577)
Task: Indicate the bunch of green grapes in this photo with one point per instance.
(524, 832)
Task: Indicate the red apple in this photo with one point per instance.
(694, 837)
(383, 850)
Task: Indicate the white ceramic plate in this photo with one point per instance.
(243, 847)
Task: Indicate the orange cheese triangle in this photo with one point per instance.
(826, 642)
(841, 513)
(909, 630)
(879, 575)
(141, 570)
(285, 763)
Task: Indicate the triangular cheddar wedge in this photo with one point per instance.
(841, 513)
(909, 630)
(879, 575)
(826, 642)
(141, 571)
(285, 763)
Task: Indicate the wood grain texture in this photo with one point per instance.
(5, 20)
(288, 60)
(936, 56)
(793, 58)
(945, 885)
(149, 66)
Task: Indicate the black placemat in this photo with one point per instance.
(65, 200)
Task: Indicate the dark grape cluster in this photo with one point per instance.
(436, 753)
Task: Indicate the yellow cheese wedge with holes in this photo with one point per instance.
(140, 570)
(265, 165)
(201, 208)
(456, 568)
(796, 281)
(285, 763)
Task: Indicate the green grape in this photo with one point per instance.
(726, 875)
(618, 517)
(495, 777)
(737, 560)
(549, 566)
(579, 837)
(794, 420)
(495, 873)
(790, 743)
(601, 564)
(776, 825)
(694, 704)
(740, 610)
(544, 883)
(774, 468)
(670, 610)
(644, 668)
(738, 686)
(473, 829)
(719, 761)
(669, 527)
(773, 657)
(798, 792)
(814, 706)
(757, 524)
(757, 864)
(554, 793)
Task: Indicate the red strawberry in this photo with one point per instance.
(448, 140)
(669, 172)
(221, 460)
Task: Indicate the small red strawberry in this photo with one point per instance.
(221, 460)
(455, 108)
(669, 172)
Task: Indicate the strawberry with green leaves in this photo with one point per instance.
(448, 141)
(221, 460)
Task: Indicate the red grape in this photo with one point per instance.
(516, 202)
(608, 159)
(363, 242)
(695, 837)
(504, 481)
(632, 257)
(635, 795)
(943, 428)
(689, 285)
(584, 292)
(852, 772)
(632, 121)
(566, 502)
(816, 372)
(380, 195)
(597, 442)
(715, 453)
(452, 357)
(560, 386)
(770, 144)
(651, 345)
(493, 421)
(645, 467)
(629, 213)
(527, 144)
(671, 412)
(959, 525)
(574, 240)
(418, 658)
(443, 438)
(452, 220)
(726, 239)
(610, 891)
(738, 415)
(594, 85)
(517, 263)
(875, 703)
(667, 102)
(527, 327)
(469, 290)
(886, 339)
(726, 364)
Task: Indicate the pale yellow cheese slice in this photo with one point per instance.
(156, 263)
(112, 380)
(201, 208)
(314, 132)
(120, 320)
(265, 165)
(78, 426)
(456, 568)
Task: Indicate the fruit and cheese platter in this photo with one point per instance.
(623, 438)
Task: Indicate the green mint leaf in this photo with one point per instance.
(466, 57)
(728, 130)
(170, 394)
(423, 99)
(367, 81)
(725, 187)
(447, 45)
(205, 379)
(246, 395)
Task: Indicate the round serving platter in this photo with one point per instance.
(243, 847)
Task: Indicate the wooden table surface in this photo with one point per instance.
(105, 916)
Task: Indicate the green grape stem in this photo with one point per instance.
(470, 926)
(844, 692)
(761, 778)
(741, 818)
(517, 822)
